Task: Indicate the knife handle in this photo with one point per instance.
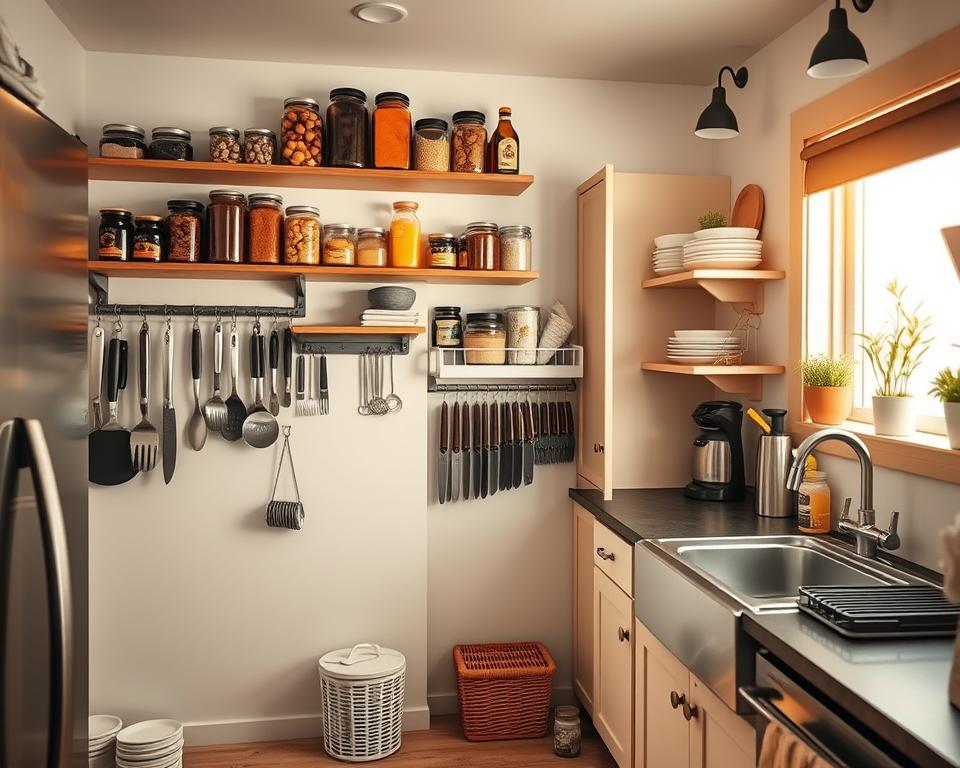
(287, 351)
(517, 423)
(506, 427)
(528, 433)
(113, 370)
(568, 408)
(254, 356)
(301, 378)
(323, 372)
(465, 428)
(494, 425)
(143, 365)
(196, 350)
(274, 350)
(485, 426)
(554, 420)
(535, 414)
(561, 420)
(456, 427)
(544, 418)
(444, 427)
(122, 371)
(477, 444)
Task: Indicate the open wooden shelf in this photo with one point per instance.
(732, 379)
(740, 287)
(358, 330)
(240, 174)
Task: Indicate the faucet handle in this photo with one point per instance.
(845, 514)
(891, 540)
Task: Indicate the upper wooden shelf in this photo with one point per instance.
(358, 330)
(243, 175)
(741, 287)
(732, 379)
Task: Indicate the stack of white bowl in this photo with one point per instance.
(151, 744)
(702, 347)
(102, 733)
(668, 253)
(723, 248)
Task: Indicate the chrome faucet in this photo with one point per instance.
(864, 528)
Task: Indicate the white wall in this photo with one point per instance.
(778, 86)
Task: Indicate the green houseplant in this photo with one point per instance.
(828, 388)
(712, 220)
(894, 354)
(946, 388)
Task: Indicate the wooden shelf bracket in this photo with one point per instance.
(743, 295)
(749, 384)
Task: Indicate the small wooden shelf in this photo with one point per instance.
(741, 287)
(732, 379)
(358, 330)
(240, 174)
(355, 339)
(450, 364)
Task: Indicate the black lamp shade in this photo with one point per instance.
(717, 121)
(839, 52)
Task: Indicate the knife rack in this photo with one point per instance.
(434, 386)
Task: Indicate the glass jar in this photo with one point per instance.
(170, 144)
(813, 503)
(483, 245)
(225, 216)
(431, 145)
(484, 339)
(443, 250)
(516, 248)
(347, 128)
(391, 131)
(339, 245)
(123, 140)
(148, 239)
(463, 256)
(523, 329)
(224, 144)
(264, 228)
(447, 330)
(259, 146)
(184, 230)
(469, 145)
(115, 238)
(405, 235)
(301, 132)
(302, 235)
(372, 247)
(566, 731)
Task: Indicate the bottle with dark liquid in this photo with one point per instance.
(504, 154)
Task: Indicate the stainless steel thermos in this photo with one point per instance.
(773, 463)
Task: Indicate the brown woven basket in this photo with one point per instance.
(504, 690)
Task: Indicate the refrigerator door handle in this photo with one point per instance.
(23, 446)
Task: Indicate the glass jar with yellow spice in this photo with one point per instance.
(813, 503)
(405, 235)
(302, 235)
(391, 131)
(372, 247)
(339, 245)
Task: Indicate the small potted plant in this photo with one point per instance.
(946, 388)
(894, 355)
(712, 220)
(828, 388)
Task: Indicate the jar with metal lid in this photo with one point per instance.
(184, 230)
(301, 132)
(392, 131)
(123, 140)
(443, 250)
(224, 144)
(372, 247)
(170, 144)
(148, 239)
(813, 503)
(469, 144)
(347, 128)
(264, 228)
(484, 339)
(447, 330)
(567, 732)
(483, 245)
(431, 145)
(405, 235)
(339, 245)
(302, 235)
(225, 230)
(523, 328)
(115, 238)
(516, 248)
(259, 146)
(463, 256)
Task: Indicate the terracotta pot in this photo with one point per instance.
(894, 416)
(828, 405)
(951, 413)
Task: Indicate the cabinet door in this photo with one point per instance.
(583, 606)
(613, 667)
(594, 323)
(719, 737)
(662, 733)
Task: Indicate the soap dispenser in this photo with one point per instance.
(774, 457)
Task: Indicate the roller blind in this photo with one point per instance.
(923, 125)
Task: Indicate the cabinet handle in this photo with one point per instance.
(623, 634)
(604, 555)
(598, 447)
(676, 699)
(690, 711)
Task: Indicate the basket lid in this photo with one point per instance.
(365, 661)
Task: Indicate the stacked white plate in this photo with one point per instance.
(723, 248)
(102, 733)
(668, 253)
(151, 744)
(702, 347)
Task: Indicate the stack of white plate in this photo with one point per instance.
(702, 347)
(151, 744)
(668, 254)
(102, 733)
(723, 248)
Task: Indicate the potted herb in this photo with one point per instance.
(946, 388)
(828, 388)
(712, 220)
(894, 355)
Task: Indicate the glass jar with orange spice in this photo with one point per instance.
(264, 228)
(405, 248)
(392, 131)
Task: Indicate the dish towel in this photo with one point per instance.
(16, 72)
(784, 750)
(389, 317)
(950, 563)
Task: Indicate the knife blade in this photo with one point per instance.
(287, 365)
(484, 451)
(571, 432)
(517, 423)
(528, 437)
(506, 448)
(466, 448)
(443, 463)
(455, 470)
(475, 471)
(169, 433)
(494, 448)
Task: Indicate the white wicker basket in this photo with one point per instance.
(362, 690)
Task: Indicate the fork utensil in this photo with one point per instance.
(144, 438)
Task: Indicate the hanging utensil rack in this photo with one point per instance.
(434, 386)
(354, 339)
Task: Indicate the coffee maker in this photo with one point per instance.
(718, 453)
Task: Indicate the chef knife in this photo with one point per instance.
(466, 449)
(287, 365)
(517, 422)
(571, 432)
(169, 434)
(506, 448)
(494, 448)
(443, 465)
(475, 471)
(528, 438)
(484, 450)
(455, 470)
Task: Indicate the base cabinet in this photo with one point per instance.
(720, 738)
(583, 524)
(613, 667)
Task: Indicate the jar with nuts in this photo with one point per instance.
(224, 144)
(469, 146)
(302, 235)
(259, 146)
(301, 135)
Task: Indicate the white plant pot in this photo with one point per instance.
(894, 416)
(951, 413)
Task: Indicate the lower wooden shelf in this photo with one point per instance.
(732, 379)
(743, 288)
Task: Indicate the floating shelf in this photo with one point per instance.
(240, 174)
(741, 287)
(355, 339)
(732, 379)
(357, 330)
(447, 364)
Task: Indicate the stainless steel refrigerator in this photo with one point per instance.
(43, 454)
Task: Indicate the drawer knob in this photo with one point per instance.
(676, 699)
(598, 447)
(689, 711)
(623, 634)
(604, 555)
(679, 701)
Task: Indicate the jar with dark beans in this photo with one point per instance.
(347, 128)
(469, 145)
(115, 238)
(224, 144)
(170, 144)
(148, 239)
(225, 225)
(301, 135)
(184, 230)
(123, 140)
(259, 146)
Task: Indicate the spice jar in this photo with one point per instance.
(469, 142)
(447, 330)
(224, 144)
(483, 245)
(372, 247)
(347, 128)
(225, 216)
(405, 235)
(302, 235)
(391, 131)
(115, 238)
(259, 146)
(264, 228)
(301, 134)
(339, 245)
(463, 256)
(148, 239)
(813, 503)
(184, 230)
(123, 140)
(484, 339)
(566, 731)
(443, 250)
(523, 328)
(170, 144)
(431, 145)
(516, 248)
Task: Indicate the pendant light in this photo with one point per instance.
(717, 121)
(839, 52)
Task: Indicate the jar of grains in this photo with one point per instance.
(302, 235)
(301, 134)
(469, 142)
(391, 131)
(372, 247)
(516, 248)
(523, 328)
(224, 144)
(123, 140)
(148, 239)
(405, 235)
(443, 250)
(264, 228)
(483, 245)
(115, 238)
(484, 339)
(170, 144)
(347, 128)
(339, 245)
(184, 230)
(431, 145)
(566, 731)
(259, 146)
(447, 330)
(225, 216)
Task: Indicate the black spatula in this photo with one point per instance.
(109, 446)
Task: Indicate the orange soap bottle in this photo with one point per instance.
(813, 503)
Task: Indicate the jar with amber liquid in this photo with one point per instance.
(405, 235)
(504, 148)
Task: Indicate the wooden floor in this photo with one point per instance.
(443, 746)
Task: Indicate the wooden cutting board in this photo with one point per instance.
(748, 210)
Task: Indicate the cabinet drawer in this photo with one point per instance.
(613, 556)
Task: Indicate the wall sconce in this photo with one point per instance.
(839, 52)
(717, 121)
